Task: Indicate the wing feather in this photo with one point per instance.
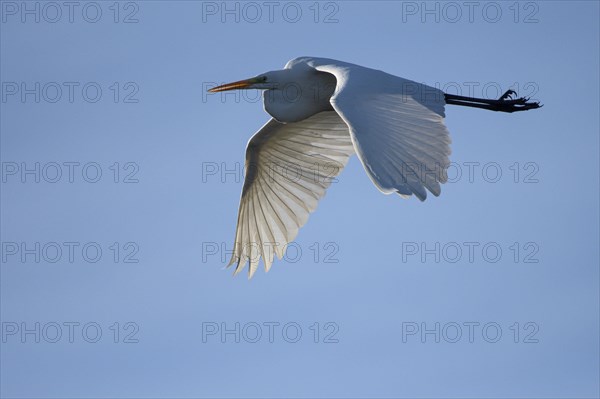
(396, 125)
(288, 168)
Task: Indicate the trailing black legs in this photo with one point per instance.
(505, 103)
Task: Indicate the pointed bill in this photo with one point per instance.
(240, 84)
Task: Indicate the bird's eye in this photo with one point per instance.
(264, 78)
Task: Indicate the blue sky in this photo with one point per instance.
(131, 204)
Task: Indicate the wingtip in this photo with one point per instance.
(250, 275)
(233, 260)
(239, 266)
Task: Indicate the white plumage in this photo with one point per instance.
(395, 126)
(288, 168)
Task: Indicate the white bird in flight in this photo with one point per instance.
(323, 111)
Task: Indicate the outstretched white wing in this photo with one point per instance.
(288, 168)
(396, 125)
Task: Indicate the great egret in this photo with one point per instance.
(323, 111)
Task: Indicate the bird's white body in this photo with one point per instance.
(306, 85)
(323, 112)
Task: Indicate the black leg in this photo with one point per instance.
(505, 103)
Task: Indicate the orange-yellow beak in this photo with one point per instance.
(240, 84)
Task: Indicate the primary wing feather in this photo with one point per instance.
(288, 168)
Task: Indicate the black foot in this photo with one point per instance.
(506, 103)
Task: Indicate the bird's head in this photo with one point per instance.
(291, 94)
(264, 81)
